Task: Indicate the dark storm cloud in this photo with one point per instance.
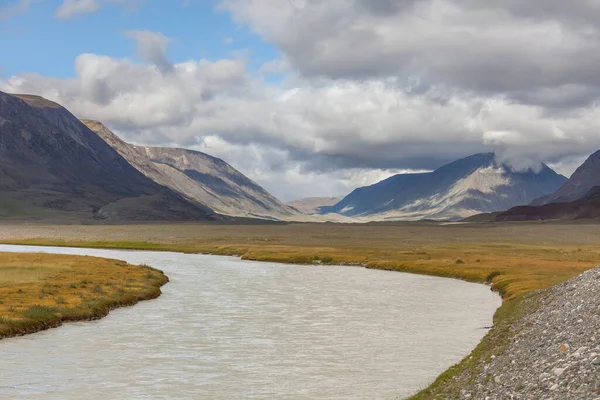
(384, 7)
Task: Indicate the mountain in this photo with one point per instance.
(199, 177)
(586, 207)
(586, 177)
(53, 166)
(312, 205)
(472, 185)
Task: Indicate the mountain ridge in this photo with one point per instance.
(465, 187)
(199, 177)
(578, 198)
(51, 165)
(584, 179)
(586, 207)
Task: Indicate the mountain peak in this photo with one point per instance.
(478, 160)
(471, 185)
(37, 101)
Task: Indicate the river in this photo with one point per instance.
(231, 329)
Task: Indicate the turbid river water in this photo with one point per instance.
(231, 329)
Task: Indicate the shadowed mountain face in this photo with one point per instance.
(473, 185)
(586, 177)
(199, 177)
(585, 208)
(578, 198)
(53, 166)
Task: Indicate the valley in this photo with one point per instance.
(71, 183)
(519, 260)
(346, 198)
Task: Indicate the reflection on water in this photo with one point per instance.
(231, 329)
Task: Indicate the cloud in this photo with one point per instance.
(302, 127)
(290, 180)
(13, 8)
(542, 52)
(152, 47)
(364, 89)
(72, 8)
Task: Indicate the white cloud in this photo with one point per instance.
(152, 47)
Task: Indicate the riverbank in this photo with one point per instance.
(42, 291)
(515, 259)
(550, 349)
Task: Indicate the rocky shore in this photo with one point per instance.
(554, 352)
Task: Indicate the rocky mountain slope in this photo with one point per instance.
(587, 207)
(312, 205)
(473, 185)
(586, 177)
(53, 166)
(199, 177)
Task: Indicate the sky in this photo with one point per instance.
(318, 97)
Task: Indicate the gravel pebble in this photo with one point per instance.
(555, 354)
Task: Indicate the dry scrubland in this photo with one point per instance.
(516, 259)
(41, 291)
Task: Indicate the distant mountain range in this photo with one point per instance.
(313, 205)
(200, 178)
(55, 167)
(578, 198)
(472, 185)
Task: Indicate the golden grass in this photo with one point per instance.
(518, 258)
(39, 291)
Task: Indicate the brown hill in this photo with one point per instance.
(54, 167)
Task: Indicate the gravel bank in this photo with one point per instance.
(555, 353)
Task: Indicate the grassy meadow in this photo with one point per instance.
(515, 259)
(41, 291)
